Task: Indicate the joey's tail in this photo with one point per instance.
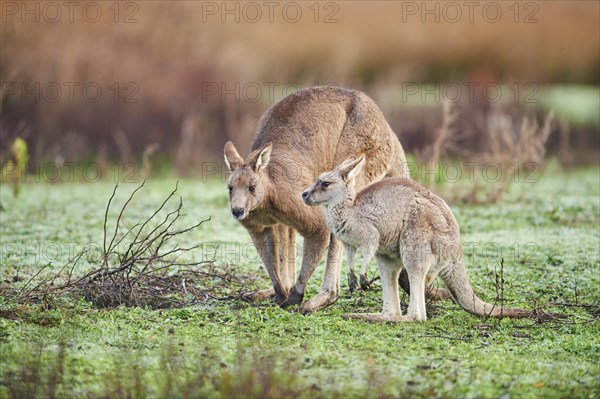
(459, 285)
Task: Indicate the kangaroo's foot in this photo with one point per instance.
(403, 281)
(376, 317)
(352, 281)
(437, 294)
(259, 295)
(293, 298)
(365, 284)
(319, 301)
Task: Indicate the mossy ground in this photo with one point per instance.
(548, 234)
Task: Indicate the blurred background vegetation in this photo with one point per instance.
(108, 82)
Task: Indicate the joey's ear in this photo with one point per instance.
(351, 167)
(346, 162)
(260, 159)
(232, 157)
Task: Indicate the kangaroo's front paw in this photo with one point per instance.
(279, 298)
(352, 281)
(293, 298)
(365, 284)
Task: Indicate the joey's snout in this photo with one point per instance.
(306, 197)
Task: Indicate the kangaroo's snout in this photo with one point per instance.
(237, 213)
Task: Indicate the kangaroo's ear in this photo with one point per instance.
(259, 159)
(233, 160)
(351, 167)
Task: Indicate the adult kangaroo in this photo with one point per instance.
(298, 138)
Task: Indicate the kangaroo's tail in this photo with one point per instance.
(459, 285)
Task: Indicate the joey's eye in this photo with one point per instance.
(229, 188)
(252, 189)
(325, 184)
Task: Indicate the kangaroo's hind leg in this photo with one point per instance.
(267, 241)
(287, 255)
(330, 287)
(313, 249)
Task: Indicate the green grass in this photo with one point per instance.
(577, 104)
(547, 233)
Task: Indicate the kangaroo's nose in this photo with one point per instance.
(237, 212)
(304, 195)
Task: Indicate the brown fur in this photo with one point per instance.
(298, 138)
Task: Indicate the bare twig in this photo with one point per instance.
(148, 272)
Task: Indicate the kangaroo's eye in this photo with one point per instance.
(252, 189)
(325, 184)
(229, 188)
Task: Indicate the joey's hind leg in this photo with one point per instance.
(436, 294)
(389, 269)
(352, 280)
(417, 263)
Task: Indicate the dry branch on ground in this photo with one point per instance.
(140, 266)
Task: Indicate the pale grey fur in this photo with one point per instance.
(401, 223)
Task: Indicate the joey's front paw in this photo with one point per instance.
(352, 282)
(293, 298)
(365, 284)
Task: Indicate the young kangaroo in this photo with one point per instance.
(400, 223)
(301, 136)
